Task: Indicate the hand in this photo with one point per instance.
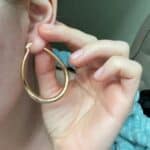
(99, 98)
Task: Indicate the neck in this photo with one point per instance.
(21, 125)
(23, 128)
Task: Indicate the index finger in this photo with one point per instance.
(72, 37)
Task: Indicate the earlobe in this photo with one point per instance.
(40, 12)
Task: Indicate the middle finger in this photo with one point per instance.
(100, 49)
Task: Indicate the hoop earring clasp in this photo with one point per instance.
(34, 96)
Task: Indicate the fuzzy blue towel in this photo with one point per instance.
(135, 134)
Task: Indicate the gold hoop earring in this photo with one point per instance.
(34, 96)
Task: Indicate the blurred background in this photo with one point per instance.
(112, 19)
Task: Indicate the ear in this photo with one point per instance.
(40, 11)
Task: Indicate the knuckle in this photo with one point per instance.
(64, 29)
(92, 38)
(121, 48)
(125, 48)
(106, 42)
(115, 61)
(125, 44)
(139, 68)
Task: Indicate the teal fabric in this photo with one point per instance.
(63, 55)
(135, 134)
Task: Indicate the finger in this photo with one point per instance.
(128, 71)
(119, 66)
(61, 33)
(99, 49)
(45, 72)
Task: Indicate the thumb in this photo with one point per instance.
(46, 75)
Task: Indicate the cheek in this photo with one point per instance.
(13, 27)
(13, 32)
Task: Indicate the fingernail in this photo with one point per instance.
(76, 55)
(98, 74)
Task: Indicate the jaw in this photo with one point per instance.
(13, 33)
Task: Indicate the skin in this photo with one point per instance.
(99, 97)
